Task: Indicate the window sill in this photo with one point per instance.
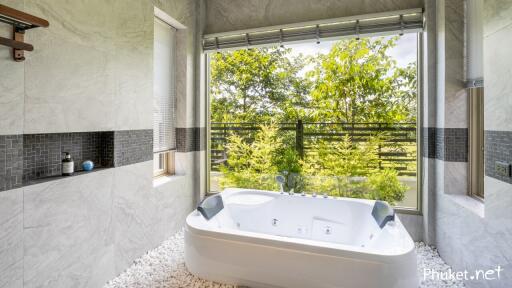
(164, 179)
(474, 205)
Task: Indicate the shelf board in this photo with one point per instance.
(60, 177)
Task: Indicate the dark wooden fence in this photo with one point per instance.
(397, 148)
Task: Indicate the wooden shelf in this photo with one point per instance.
(20, 22)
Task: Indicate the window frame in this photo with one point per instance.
(418, 210)
(168, 167)
(476, 158)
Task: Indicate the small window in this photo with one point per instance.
(163, 163)
(164, 98)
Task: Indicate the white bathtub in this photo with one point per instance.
(268, 239)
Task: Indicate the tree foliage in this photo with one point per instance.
(358, 82)
(253, 85)
(355, 82)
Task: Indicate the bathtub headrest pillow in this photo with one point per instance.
(210, 206)
(382, 212)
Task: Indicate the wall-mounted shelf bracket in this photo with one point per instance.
(20, 22)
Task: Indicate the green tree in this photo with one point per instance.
(357, 81)
(255, 164)
(253, 85)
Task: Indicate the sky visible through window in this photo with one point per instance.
(405, 51)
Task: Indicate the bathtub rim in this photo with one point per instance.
(307, 245)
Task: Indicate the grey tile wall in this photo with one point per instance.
(132, 146)
(190, 139)
(34, 158)
(428, 144)
(42, 153)
(11, 161)
(447, 144)
(498, 147)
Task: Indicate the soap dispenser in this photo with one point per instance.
(68, 166)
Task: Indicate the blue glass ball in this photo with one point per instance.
(88, 165)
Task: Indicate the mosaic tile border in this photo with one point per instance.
(190, 139)
(132, 146)
(34, 158)
(447, 144)
(497, 147)
(11, 162)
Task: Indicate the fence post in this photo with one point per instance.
(380, 148)
(299, 138)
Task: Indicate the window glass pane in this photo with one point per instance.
(339, 118)
(156, 162)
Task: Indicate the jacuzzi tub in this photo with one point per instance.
(268, 239)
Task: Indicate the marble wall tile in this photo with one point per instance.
(143, 215)
(11, 239)
(67, 232)
(133, 213)
(11, 82)
(70, 77)
(174, 202)
(92, 68)
(230, 15)
(466, 240)
(498, 198)
(133, 64)
(497, 15)
(498, 87)
(451, 105)
(413, 224)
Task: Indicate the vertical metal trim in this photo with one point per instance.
(419, 122)
(208, 122)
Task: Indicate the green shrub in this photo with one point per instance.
(336, 168)
(385, 185)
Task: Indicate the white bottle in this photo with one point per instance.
(68, 166)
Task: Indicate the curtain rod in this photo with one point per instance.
(317, 22)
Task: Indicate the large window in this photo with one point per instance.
(336, 118)
(164, 98)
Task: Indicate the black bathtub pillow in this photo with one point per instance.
(210, 206)
(382, 212)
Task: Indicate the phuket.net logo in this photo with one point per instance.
(478, 274)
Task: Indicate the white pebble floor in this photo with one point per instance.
(164, 267)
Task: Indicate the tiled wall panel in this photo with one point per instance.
(38, 157)
(190, 139)
(43, 153)
(132, 146)
(11, 161)
(498, 147)
(447, 144)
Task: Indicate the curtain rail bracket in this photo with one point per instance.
(20, 22)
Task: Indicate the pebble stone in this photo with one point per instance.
(164, 267)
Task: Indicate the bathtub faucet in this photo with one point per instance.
(281, 180)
